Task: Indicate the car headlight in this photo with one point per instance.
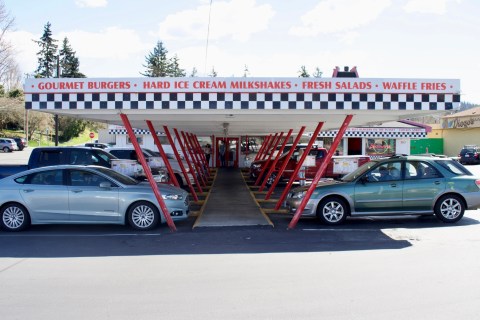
(172, 197)
(255, 166)
(299, 195)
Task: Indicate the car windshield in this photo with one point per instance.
(123, 179)
(360, 171)
(454, 167)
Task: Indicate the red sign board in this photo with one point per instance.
(92, 135)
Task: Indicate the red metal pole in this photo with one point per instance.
(284, 164)
(321, 170)
(274, 163)
(180, 163)
(299, 165)
(148, 172)
(162, 153)
(201, 155)
(212, 155)
(275, 143)
(264, 145)
(268, 149)
(192, 155)
(192, 171)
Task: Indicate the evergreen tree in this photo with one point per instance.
(303, 72)
(317, 73)
(69, 63)
(176, 71)
(47, 55)
(194, 72)
(213, 73)
(157, 63)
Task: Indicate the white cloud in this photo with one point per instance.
(332, 16)
(238, 19)
(91, 3)
(428, 6)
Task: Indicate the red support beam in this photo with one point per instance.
(299, 165)
(185, 155)
(201, 156)
(148, 172)
(264, 145)
(268, 148)
(269, 158)
(284, 164)
(162, 153)
(275, 161)
(180, 162)
(321, 171)
(191, 152)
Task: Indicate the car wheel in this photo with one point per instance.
(449, 208)
(6, 149)
(14, 217)
(332, 211)
(143, 216)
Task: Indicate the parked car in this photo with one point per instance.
(70, 194)
(410, 185)
(97, 145)
(8, 145)
(49, 156)
(337, 167)
(21, 143)
(470, 154)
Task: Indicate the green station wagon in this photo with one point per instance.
(398, 185)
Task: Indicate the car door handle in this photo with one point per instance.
(77, 191)
(393, 185)
(437, 182)
(28, 190)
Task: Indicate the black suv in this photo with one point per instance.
(470, 154)
(21, 143)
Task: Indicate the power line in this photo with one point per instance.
(208, 36)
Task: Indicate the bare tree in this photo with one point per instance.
(9, 71)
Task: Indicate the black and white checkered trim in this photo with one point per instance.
(382, 133)
(136, 131)
(238, 101)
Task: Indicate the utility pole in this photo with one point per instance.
(55, 117)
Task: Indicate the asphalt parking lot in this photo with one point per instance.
(369, 268)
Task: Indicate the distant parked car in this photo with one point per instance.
(470, 154)
(97, 145)
(8, 145)
(395, 186)
(70, 194)
(21, 143)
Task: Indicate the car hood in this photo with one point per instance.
(321, 184)
(162, 187)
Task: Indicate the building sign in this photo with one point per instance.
(241, 85)
(461, 122)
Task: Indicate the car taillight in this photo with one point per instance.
(477, 182)
(476, 155)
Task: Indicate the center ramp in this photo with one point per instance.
(230, 203)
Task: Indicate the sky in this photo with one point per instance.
(427, 39)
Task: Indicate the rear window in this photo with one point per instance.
(454, 167)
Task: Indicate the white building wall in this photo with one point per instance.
(402, 146)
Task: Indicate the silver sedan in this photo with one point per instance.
(84, 195)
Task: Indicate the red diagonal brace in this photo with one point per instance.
(180, 162)
(299, 165)
(191, 153)
(275, 161)
(190, 168)
(162, 153)
(321, 170)
(284, 165)
(269, 158)
(264, 145)
(148, 172)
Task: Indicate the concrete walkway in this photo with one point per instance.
(230, 203)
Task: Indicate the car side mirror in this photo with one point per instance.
(105, 184)
(364, 179)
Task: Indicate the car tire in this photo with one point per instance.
(6, 149)
(143, 215)
(333, 211)
(14, 217)
(449, 208)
